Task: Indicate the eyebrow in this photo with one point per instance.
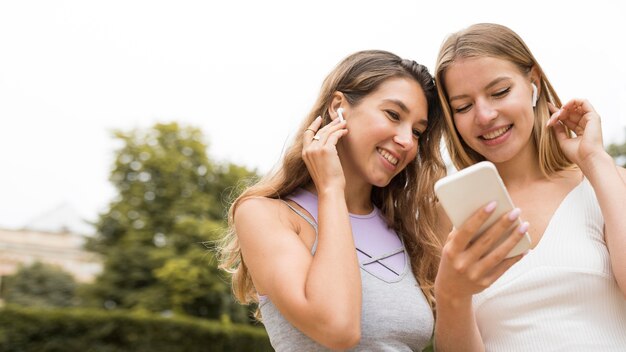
(397, 102)
(491, 84)
(404, 108)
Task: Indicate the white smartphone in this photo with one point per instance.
(464, 192)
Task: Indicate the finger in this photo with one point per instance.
(312, 130)
(489, 238)
(577, 128)
(561, 133)
(555, 112)
(315, 125)
(581, 106)
(552, 108)
(572, 120)
(470, 227)
(580, 111)
(334, 137)
(582, 117)
(498, 254)
(570, 115)
(325, 131)
(500, 269)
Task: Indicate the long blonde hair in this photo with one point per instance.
(497, 41)
(409, 193)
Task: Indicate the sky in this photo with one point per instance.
(244, 72)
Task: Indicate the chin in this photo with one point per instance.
(381, 182)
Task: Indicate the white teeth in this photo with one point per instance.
(388, 156)
(496, 133)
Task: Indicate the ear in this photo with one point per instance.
(535, 78)
(337, 101)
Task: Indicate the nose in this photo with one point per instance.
(404, 137)
(485, 112)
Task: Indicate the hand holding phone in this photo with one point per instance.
(464, 192)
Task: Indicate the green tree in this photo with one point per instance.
(172, 199)
(618, 152)
(40, 285)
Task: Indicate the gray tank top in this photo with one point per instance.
(395, 315)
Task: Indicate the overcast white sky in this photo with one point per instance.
(245, 72)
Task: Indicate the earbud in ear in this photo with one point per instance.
(534, 94)
(340, 113)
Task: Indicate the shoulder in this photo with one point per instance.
(568, 178)
(258, 207)
(253, 205)
(262, 213)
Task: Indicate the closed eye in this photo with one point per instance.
(462, 109)
(501, 93)
(393, 115)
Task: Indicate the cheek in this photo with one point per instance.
(463, 126)
(410, 157)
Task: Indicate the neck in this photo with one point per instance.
(358, 197)
(522, 170)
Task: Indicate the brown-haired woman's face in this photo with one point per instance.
(384, 128)
(491, 105)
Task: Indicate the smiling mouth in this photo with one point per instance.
(497, 133)
(385, 154)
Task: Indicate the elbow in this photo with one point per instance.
(344, 340)
(341, 335)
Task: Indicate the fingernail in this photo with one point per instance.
(523, 227)
(514, 214)
(491, 206)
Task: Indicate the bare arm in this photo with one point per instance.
(587, 151)
(320, 295)
(467, 269)
(608, 183)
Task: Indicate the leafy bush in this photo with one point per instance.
(91, 330)
(40, 285)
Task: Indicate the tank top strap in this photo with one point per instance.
(307, 219)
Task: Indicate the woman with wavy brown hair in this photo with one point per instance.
(329, 243)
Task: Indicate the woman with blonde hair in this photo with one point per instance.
(329, 244)
(567, 293)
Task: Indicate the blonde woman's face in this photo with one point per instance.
(491, 104)
(383, 131)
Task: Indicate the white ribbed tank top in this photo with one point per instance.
(562, 296)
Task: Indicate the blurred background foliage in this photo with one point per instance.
(172, 201)
(618, 152)
(155, 238)
(40, 285)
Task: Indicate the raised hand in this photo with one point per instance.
(319, 153)
(581, 118)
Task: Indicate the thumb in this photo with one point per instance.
(561, 133)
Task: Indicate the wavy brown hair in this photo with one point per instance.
(408, 194)
(500, 42)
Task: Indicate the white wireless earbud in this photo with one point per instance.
(340, 113)
(534, 94)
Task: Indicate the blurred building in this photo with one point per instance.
(55, 238)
